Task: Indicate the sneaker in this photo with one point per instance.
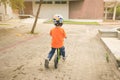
(46, 63)
(64, 58)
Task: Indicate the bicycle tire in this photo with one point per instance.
(56, 62)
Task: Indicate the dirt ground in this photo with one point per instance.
(22, 55)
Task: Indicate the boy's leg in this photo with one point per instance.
(62, 50)
(51, 53)
(46, 63)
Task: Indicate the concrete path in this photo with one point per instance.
(22, 55)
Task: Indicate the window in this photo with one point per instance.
(47, 2)
(37, 2)
(64, 2)
(57, 2)
(60, 2)
(44, 2)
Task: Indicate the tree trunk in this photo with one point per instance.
(114, 13)
(106, 13)
(35, 22)
(5, 5)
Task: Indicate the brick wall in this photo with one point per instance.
(86, 9)
(28, 8)
(74, 9)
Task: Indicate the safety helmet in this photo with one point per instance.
(58, 20)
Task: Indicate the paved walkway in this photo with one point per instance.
(22, 55)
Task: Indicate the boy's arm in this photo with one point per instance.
(50, 32)
(64, 34)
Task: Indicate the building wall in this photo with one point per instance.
(74, 9)
(87, 9)
(9, 12)
(80, 9)
(48, 10)
(92, 9)
(1, 8)
(28, 7)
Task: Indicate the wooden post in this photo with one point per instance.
(114, 13)
(106, 13)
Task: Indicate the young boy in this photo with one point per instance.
(58, 34)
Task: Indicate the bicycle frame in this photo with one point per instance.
(58, 54)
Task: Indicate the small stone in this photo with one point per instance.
(40, 69)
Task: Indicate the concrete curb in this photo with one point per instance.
(110, 53)
(112, 60)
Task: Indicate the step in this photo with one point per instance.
(108, 33)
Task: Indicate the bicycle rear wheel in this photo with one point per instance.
(56, 62)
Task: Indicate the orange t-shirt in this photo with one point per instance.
(58, 34)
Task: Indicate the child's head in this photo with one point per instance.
(58, 20)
